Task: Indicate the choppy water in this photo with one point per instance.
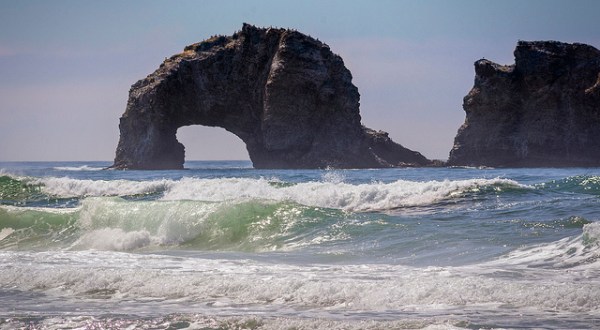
(223, 246)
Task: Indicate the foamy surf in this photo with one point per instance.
(581, 252)
(333, 193)
(277, 288)
(68, 187)
(78, 168)
(338, 195)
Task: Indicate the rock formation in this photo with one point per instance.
(542, 111)
(286, 95)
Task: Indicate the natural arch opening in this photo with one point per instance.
(211, 143)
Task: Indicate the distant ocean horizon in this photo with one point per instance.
(221, 245)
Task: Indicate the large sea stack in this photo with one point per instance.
(543, 111)
(286, 95)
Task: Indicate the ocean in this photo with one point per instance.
(221, 245)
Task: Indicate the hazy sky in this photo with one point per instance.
(66, 66)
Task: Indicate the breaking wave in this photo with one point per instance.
(375, 196)
(338, 195)
(569, 252)
(113, 223)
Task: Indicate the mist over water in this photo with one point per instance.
(221, 245)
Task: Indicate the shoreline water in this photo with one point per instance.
(225, 246)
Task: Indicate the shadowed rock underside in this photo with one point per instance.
(284, 94)
(544, 110)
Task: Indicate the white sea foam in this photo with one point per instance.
(330, 194)
(582, 251)
(78, 168)
(68, 187)
(50, 210)
(226, 283)
(208, 321)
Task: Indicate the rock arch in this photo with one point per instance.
(284, 94)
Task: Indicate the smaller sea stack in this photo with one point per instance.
(542, 111)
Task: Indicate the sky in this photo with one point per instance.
(66, 66)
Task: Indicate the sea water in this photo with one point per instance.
(223, 246)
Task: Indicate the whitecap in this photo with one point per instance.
(68, 187)
(582, 252)
(332, 193)
(78, 168)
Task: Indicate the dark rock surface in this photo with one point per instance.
(286, 95)
(542, 111)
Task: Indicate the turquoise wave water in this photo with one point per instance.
(259, 214)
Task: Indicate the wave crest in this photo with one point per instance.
(67, 187)
(337, 195)
(78, 168)
(569, 252)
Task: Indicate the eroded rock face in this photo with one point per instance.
(542, 111)
(286, 95)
